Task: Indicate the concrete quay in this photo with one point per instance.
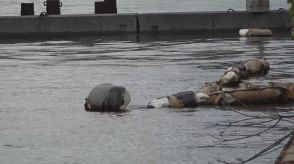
(155, 23)
(15, 26)
(208, 22)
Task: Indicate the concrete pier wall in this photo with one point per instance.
(212, 22)
(68, 24)
(199, 22)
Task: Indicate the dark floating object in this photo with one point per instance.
(53, 7)
(27, 9)
(107, 98)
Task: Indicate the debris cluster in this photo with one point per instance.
(231, 90)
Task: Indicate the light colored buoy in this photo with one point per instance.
(179, 100)
(159, 103)
(251, 32)
(243, 32)
(201, 98)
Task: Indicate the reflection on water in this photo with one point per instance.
(44, 82)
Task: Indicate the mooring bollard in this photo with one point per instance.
(107, 6)
(53, 7)
(111, 6)
(27, 9)
(257, 6)
(100, 8)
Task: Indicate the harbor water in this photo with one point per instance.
(44, 83)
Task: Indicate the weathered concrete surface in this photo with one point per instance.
(68, 24)
(212, 21)
(197, 23)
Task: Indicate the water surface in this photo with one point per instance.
(44, 82)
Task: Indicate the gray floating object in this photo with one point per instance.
(107, 98)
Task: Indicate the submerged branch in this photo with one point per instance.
(270, 120)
